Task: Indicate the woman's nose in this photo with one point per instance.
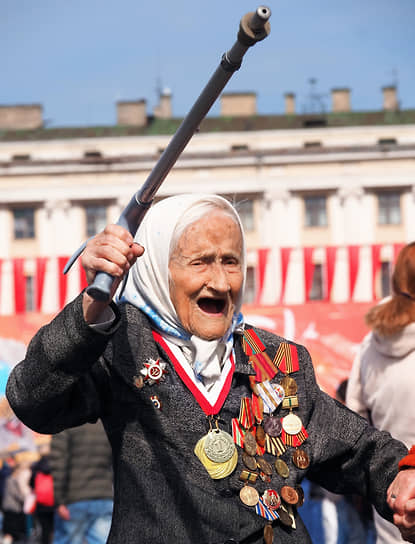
(218, 279)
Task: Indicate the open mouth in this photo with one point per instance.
(211, 305)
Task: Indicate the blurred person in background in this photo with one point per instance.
(382, 381)
(16, 492)
(41, 482)
(81, 466)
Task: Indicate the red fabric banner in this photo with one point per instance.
(331, 253)
(285, 259)
(63, 281)
(308, 271)
(19, 286)
(262, 257)
(40, 280)
(353, 252)
(375, 267)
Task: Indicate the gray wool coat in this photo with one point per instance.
(162, 493)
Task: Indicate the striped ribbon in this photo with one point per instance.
(274, 445)
(294, 440)
(251, 343)
(246, 413)
(262, 510)
(238, 433)
(264, 367)
(286, 358)
(270, 397)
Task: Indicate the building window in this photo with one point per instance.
(30, 294)
(246, 213)
(249, 294)
(315, 211)
(24, 223)
(317, 291)
(389, 208)
(96, 219)
(385, 278)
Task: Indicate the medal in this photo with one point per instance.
(271, 499)
(271, 398)
(219, 446)
(289, 494)
(268, 534)
(301, 459)
(250, 445)
(300, 492)
(249, 495)
(153, 371)
(249, 461)
(291, 424)
(284, 517)
(282, 468)
(260, 436)
(273, 426)
(215, 470)
(264, 466)
(289, 385)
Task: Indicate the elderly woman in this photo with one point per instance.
(213, 424)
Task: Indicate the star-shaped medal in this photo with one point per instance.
(154, 371)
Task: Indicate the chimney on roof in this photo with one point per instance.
(238, 104)
(390, 99)
(289, 103)
(132, 113)
(21, 117)
(163, 110)
(340, 100)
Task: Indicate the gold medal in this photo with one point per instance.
(215, 470)
(289, 385)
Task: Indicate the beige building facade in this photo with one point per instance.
(301, 190)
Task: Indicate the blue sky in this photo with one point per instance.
(79, 57)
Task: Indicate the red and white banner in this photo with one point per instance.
(285, 275)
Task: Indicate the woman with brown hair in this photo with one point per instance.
(382, 381)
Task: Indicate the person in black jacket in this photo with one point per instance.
(81, 466)
(213, 423)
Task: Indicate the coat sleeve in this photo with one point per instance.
(58, 384)
(348, 456)
(60, 457)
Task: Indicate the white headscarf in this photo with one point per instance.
(148, 284)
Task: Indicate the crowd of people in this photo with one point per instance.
(65, 496)
(216, 427)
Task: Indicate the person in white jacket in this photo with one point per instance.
(382, 380)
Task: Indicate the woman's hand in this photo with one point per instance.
(401, 499)
(113, 251)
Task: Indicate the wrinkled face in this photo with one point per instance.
(206, 275)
